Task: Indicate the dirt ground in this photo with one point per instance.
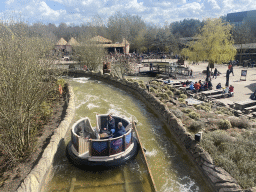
(13, 176)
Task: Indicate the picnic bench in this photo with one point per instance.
(241, 105)
(212, 92)
(218, 96)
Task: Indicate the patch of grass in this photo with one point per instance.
(225, 110)
(187, 110)
(237, 156)
(184, 96)
(181, 100)
(195, 126)
(224, 124)
(170, 93)
(153, 90)
(194, 115)
(240, 122)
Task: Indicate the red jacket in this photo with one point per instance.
(197, 86)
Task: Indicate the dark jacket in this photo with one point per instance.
(119, 132)
(111, 125)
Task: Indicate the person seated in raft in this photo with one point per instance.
(110, 129)
(120, 130)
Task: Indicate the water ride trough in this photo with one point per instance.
(88, 147)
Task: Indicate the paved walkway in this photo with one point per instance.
(242, 89)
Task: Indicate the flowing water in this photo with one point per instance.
(170, 166)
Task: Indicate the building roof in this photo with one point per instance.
(72, 42)
(246, 46)
(101, 39)
(61, 42)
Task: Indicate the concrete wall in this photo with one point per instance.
(32, 182)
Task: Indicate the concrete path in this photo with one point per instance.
(242, 89)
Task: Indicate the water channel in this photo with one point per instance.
(170, 166)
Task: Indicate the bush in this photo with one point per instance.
(224, 110)
(194, 115)
(165, 87)
(163, 95)
(153, 90)
(181, 100)
(240, 122)
(170, 93)
(45, 110)
(187, 110)
(198, 107)
(177, 92)
(61, 82)
(195, 127)
(205, 108)
(178, 113)
(237, 156)
(142, 85)
(183, 96)
(224, 124)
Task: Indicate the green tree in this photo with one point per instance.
(214, 43)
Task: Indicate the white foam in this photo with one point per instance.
(91, 105)
(81, 80)
(151, 153)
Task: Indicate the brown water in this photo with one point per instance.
(170, 166)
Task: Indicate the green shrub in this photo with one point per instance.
(187, 110)
(165, 87)
(237, 156)
(61, 82)
(45, 110)
(154, 82)
(181, 100)
(170, 93)
(218, 112)
(225, 110)
(177, 92)
(178, 113)
(240, 122)
(164, 96)
(195, 127)
(198, 107)
(206, 108)
(143, 86)
(153, 90)
(184, 96)
(224, 124)
(194, 115)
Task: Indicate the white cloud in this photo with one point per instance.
(150, 10)
(8, 2)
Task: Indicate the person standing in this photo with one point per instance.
(231, 70)
(215, 73)
(227, 78)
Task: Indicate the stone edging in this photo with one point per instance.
(217, 177)
(32, 182)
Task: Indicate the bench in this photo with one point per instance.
(218, 96)
(212, 92)
(244, 104)
(252, 108)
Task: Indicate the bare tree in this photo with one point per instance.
(25, 84)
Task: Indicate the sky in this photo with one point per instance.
(159, 12)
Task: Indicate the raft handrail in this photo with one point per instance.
(109, 140)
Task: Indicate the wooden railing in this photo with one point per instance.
(112, 146)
